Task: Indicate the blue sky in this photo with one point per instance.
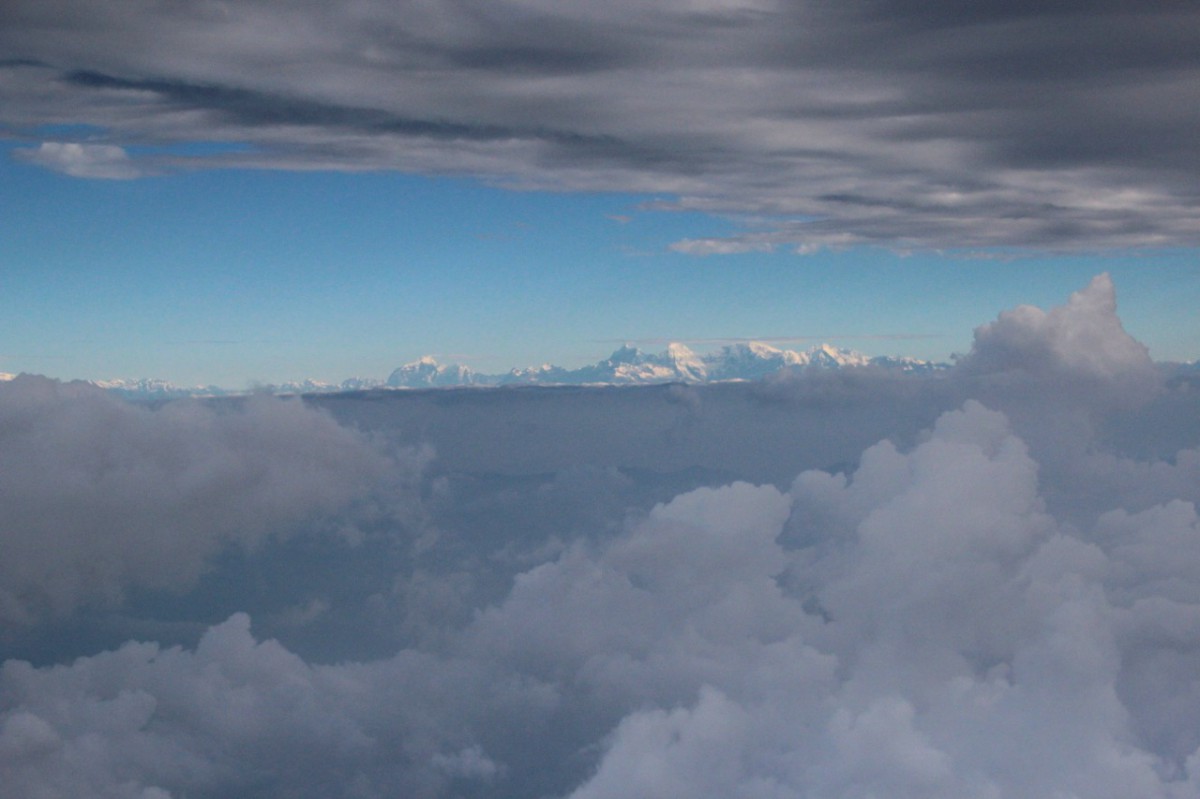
(264, 194)
(241, 276)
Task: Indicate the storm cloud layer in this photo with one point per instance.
(1054, 125)
(983, 583)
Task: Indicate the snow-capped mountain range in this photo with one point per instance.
(627, 366)
(631, 366)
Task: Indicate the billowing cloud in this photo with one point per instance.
(1082, 339)
(1052, 126)
(100, 496)
(938, 634)
(607, 592)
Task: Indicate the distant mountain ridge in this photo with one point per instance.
(629, 365)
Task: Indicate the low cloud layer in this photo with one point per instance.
(100, 496)
(1055, 125)
(998, 596)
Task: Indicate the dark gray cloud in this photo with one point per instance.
(1051, 125)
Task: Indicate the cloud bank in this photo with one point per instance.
(100, 496)
(1055, 126)
(737, 590)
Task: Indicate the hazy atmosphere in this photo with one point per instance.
(772, 400)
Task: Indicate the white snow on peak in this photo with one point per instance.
(627, 353)
(627, 365)
(156, 388)
(426, 372)
(829, 355)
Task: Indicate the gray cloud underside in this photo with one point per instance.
(983, 584)
(1053, 125)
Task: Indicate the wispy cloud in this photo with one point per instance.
(104, 161)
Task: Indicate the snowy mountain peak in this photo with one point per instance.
(829, 355)
(756, 349)
(750, 360)
(155, 388)
(426, 371)
(690, 367)
(678, 351)
(627, 353)
(628, 365)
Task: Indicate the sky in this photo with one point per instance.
(977, 582)
(233, 194)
